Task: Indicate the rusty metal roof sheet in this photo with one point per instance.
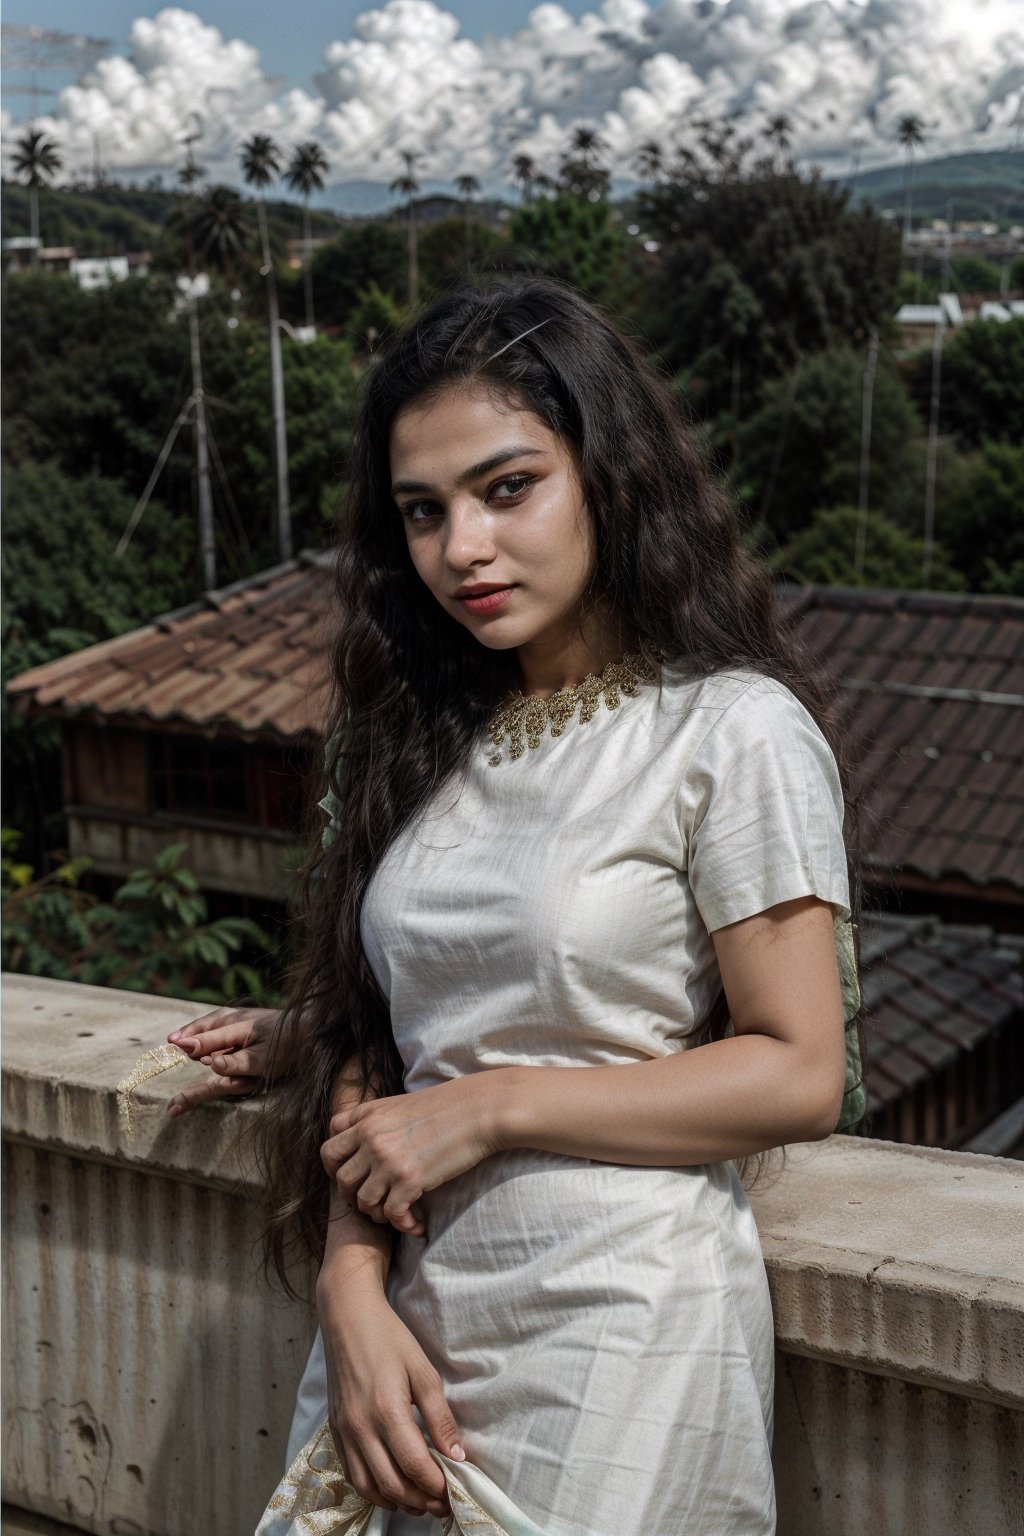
(934, 991)
(931, 692)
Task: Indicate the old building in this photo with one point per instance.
(200, 727)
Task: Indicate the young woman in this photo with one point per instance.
(571, 953)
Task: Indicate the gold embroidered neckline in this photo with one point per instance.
(523, 717)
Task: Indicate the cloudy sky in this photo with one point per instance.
(474, 82)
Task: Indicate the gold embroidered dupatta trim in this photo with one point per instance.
(315, 1498)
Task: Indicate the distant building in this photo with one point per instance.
(918, 321)
(89, 272)
(1010, 309)
(99, 271)
(22, 252)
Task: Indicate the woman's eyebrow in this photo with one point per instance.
(473, 472)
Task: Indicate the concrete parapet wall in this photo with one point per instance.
(149, 1372)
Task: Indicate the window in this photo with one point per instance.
(196, 777)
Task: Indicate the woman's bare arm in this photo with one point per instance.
(779, 1079)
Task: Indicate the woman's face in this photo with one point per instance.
(491, 504)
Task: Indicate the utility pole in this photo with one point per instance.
(207, 549)
(931, 464)
(190, 291)
(867, 398)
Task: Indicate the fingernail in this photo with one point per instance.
(174, 1110)
(457, 1453)
(205, 1060)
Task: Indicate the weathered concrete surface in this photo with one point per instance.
(149, 1371)
(20, 1522)
(66, 1047)
(903, 1260)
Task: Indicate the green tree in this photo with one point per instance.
(823, 553)
(54, 604)
(821, 274)
(982, 393)
(525, 176)
(407, 186)
(375, 315)
(364, 253)
(320, 384)
(154, 935)
(442, 251)
(580, 170)
(801, 448)
(649, 160)
(36, 161)
(261, 164)
(220, 230)
(576, 241)
(306, 171)
(981, 520)
(779, 132)
(467, 186)
(910, 133)
(975, 275)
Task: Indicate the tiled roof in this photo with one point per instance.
(931, 690)
(931, 687)
(249, 657)
(934, 991)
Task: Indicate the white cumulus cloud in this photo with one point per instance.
(843, 71)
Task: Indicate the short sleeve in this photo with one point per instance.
(763, 810)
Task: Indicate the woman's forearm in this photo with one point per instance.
(357, 1250)
(726, 1099)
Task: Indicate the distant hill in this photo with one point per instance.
(986, 185)
(107, 220)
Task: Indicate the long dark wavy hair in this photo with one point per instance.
(411, 688)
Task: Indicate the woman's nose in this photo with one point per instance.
(469, 539)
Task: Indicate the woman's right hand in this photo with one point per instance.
(376, 1371)
(235, 1044)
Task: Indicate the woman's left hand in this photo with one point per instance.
(383, 1154)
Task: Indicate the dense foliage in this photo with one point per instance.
(153, 935)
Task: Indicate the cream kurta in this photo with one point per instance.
(604, 1332)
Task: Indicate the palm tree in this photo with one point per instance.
(36, 161)
(649, 160)
(190, 173)
(261, 163)
(305, 174)
(580, 170)
(408, 186)
(467, 185)
(910, 133)
(587, 144)
(524, 173)
(221, 230)
(778, 131)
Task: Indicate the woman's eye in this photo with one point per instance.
(428, 508)
(517, 484)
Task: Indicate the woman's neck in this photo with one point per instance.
(558, 661)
